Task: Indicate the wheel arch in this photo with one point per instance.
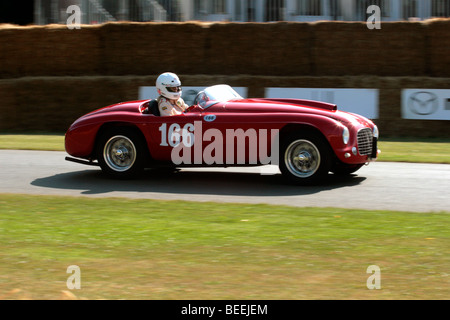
(117, 124)
(293, 128)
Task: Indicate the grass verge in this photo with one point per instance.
(146, 249)
(415, 150)
(45, 142)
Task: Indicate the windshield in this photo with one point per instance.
(215, 94)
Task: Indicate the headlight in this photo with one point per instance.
(376, 133)
(345, 135)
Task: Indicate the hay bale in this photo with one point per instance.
(152, 48)
(438, 35)
(259, 48)
(52, 104)
(8, 110)
(350, 48)
(270, 49)
(48, 50)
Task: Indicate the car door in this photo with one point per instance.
(246, 138)
(165, 133)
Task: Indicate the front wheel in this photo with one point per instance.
(120, 153)
(304, 159)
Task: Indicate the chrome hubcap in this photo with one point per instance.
(119, 153)
(302, 158)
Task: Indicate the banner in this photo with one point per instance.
(360, 101)
(426, 104)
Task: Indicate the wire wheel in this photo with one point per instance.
(119, 153)
(305, 158)
(302, 158)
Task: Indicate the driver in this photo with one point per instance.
(170, 102)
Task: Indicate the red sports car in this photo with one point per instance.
(306, 139)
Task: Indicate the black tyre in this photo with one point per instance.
(305, 158)
(121, 152)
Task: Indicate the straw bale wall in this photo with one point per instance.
(51, 104)
(278, 49)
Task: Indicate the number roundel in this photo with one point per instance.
(209, 117)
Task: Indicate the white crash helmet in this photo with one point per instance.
(169, 85)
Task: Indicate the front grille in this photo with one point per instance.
(365, 141)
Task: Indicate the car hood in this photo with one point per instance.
(295, 106)
(129, 106)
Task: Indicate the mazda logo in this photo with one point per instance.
(423, 103)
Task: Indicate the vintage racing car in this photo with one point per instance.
(306, 139)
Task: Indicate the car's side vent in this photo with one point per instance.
(365, 141)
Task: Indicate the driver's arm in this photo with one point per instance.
(183, 104)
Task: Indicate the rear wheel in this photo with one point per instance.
(304, 159)
(121, 152)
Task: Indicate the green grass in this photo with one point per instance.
(415, 150)
(146, 249)
(46, 142)
(399, 150)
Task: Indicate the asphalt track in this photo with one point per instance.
(381, 185)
